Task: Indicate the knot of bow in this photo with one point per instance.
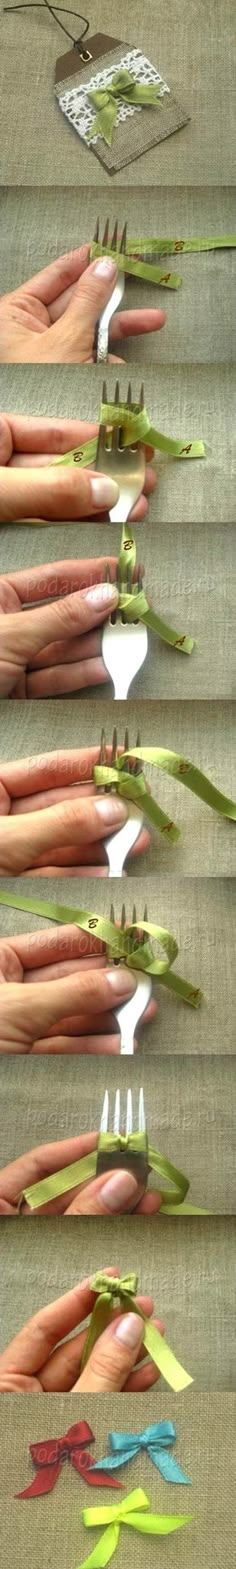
(106, 101)
(156, 1440)
(50, 1455)
(114, 1285)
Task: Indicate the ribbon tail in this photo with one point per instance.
(43, 1482)
(184, 989)
(168, 1467)
(101, 1317)
(165, 1359)
(101, 1554)
(104, 123)
(91, 1473)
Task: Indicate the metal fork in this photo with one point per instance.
(118, 845)
(124, 464)
(128, 1014)
(135, 1160)
(117, 293)
(124, 643)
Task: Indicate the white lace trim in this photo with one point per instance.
(82, 114)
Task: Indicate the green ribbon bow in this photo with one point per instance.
(131, 1511)
(119, 941)
(133, 786)
(108, 1289)
(106, 100)
(84, 1170)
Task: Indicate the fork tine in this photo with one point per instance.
(134, 916)
(129, 397)
(114, 745)
(123, 917)
(102, 758)
(112, 914)
(138, 761)
(141, 397)
(107, 575)
(96, 233)
(104, 392)
(141, 1113)
(116, 1120)
(123, 239)
(117, 393)
(140, 580)
(113, 242)
(129, 1113)
(105, 1113)
(106, 233)
(126, 749)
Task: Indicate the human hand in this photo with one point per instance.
(36, 1363)
(52, 318)
(57, 648)
(117, 1192)
(32, 485)
(53, 1001)
(53, 820)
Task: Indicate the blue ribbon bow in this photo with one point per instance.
(156, 1440)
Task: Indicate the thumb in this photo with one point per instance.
(113, 1356)
(90, 295)
(110, 1194)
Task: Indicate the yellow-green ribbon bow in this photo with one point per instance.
(131, 1511)
(108, 1288)
(84, 1170)
(119, 941)
(106, 100)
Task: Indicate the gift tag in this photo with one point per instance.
(91, 66)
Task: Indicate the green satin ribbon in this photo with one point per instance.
(131, 1511)
(118, 941)
(107, 99)
(137, 268)
(108, 1289)
(84, 1170)
(136, 427)
(143, 611)
(133, 786)
(166, 247)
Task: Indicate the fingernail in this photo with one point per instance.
(105, 267)
(112, 809)
(120, 1189)
(105, 492)
(130, 1330)
(121, 981)
(101, 596)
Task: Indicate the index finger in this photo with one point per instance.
(59, 275)
(40, 433)
(55, 578)
(25, 776)
(42, 1162)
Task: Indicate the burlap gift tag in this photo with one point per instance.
(137, 129)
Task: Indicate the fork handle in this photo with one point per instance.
(102, 344)
(121, 687)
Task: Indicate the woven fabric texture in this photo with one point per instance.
(38, 225)
(203, 732)
(206, 1439)
(195, 57)
(187, 401)
(190, 1118)
(201, 914)
(191, 1276)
